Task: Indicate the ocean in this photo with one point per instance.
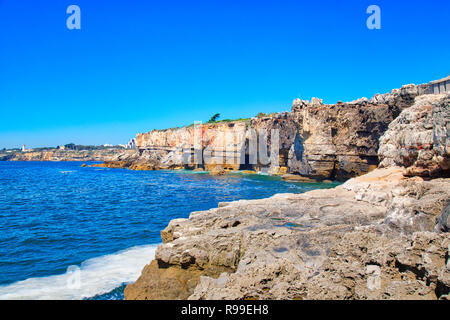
(60, 221)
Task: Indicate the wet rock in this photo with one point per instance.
(296, 178)
(217, 170)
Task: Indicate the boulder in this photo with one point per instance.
(418, 139)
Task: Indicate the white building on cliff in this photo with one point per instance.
(440, 86)
(24, 149)
(131, 144)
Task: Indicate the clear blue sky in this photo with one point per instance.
(141, 65)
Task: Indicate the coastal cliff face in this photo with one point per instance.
(313, 140)
(337, 141)
(208, 144)
(383, 235)
(419, 139)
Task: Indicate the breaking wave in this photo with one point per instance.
(93, 277)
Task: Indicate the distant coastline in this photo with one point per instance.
(78, 153)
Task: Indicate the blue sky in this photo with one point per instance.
(141, 65)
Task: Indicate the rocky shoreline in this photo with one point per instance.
(323, 244)
(382, 235)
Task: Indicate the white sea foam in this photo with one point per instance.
(96, 276)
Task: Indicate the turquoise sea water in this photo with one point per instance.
(107, 222)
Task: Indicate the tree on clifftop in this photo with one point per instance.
(70, 146)
(214, 118)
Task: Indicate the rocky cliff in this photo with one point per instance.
(174, 148)
(419, 138)
(313, 140)
(338, 141)
(382, 235)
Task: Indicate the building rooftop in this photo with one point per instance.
(440, 80)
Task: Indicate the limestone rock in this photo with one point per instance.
(337, 141)
(314, 140)
(366, 265)
(443, 221)
(418, 139)
(275, 248)
(296, 178)
(217, 171)
(370, 238)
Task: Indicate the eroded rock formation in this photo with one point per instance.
(418, 139)
(367, 265)
(337, 141)
(313, 140)
(383, 235)
(291, 246)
